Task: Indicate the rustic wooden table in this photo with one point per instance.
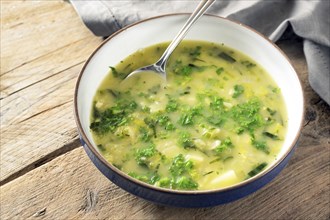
(45, 172)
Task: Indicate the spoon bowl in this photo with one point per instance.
(159, 66)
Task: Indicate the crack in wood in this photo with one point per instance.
(46, 110)
(318, 101)
(72, 66)
(75, 143)
(310, 115)
(43, 55)
(40, 212)
(90, 201)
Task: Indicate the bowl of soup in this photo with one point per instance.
(223, 123)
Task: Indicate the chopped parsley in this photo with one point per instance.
(171, 106)
(179, 165)
(179, 170)
(247, 115)
(216, 103)
(181, 69)
(195, 52)
(142, 155)
(112, 118)
(260, 145)
(225, 145)
(185, 140)
(145, 134)
(187, 118)
(185, 183)
(219, 70)
(238, 90)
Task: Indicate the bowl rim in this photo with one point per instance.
(174, 191)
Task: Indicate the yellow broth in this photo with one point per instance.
(219, 119)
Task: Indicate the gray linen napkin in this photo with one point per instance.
(309, 19)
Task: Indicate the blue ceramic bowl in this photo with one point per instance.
(208, 28)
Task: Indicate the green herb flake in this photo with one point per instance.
(152, 123)
(117, 74)
(186, 183)
(96, 112)
(186, 91)
(239, 130)
(248, 64)
(219, 70)
(171, 106)
(170, 126)
(163, 119)
(154, 178)
(247, 115)
(145, 109)
(114, 71)
(143, 178)
(196, 52)
(227, 57)
(165, 182)
(215, 160)
(101, 147)
(207, 173)
(270, 111)
(216, 119)
(180, 166)
(154, 90)
(185, 140)
(181, 69)
(187, 118)
(197, 68)
(145, 135)
(114, 93)
(225, 145)
(275, 90)
(260, 145)
(112, 118)
(216, 103)
(238, 90)
(142, 155)
(257, 169)
(270, 135)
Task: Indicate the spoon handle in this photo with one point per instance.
(199, 11)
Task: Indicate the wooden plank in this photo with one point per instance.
(32, 40)
(47, 65)
(44, 122)
(36, 112)
(37, 121)
(70, 187)
(43, 93)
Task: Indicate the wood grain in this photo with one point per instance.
(40, 29)
(70, 187)
(37, 91)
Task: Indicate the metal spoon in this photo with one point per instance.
(159, 66)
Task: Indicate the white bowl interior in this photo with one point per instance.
(208, 28)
